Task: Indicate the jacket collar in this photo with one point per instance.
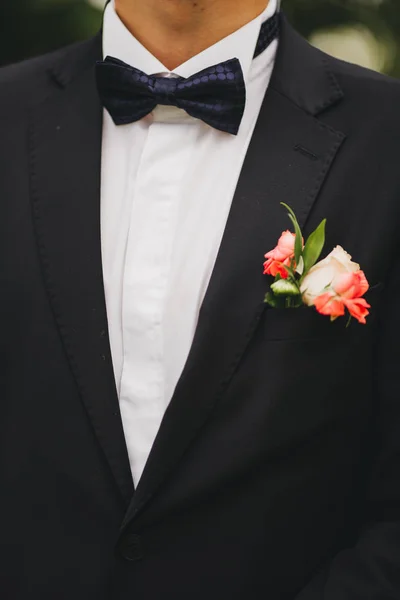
(302, 73)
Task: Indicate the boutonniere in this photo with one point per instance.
(333, 285)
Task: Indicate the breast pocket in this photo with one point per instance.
(307, 324)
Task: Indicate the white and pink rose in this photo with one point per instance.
(334, 284)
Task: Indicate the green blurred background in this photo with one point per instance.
(362, 31)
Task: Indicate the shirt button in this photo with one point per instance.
(130, 547)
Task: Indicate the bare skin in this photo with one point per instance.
(176, 30)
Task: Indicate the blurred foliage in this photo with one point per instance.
(31, 27)
(382, 17)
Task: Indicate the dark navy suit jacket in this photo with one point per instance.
(276, 472)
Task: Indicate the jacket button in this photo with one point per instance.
(130, 547)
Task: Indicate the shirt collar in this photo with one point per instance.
(120, 43)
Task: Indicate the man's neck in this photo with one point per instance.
(176, 30)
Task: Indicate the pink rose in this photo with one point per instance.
(282, 255)
(351, 285)
(337, 283)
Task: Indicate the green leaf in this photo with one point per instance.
(272, 300)
(298, 246)
(285, 287)
(314, 246)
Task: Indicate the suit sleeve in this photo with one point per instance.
(371, 569)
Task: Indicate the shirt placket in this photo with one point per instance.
(155, 197)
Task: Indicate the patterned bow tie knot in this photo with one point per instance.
(216, 95)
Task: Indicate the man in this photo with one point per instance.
(164, 434)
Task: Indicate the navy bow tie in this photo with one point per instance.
(216, 95)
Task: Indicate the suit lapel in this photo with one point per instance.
(65, 189)
(288, 159)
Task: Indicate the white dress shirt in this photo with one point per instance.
(167, 186)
